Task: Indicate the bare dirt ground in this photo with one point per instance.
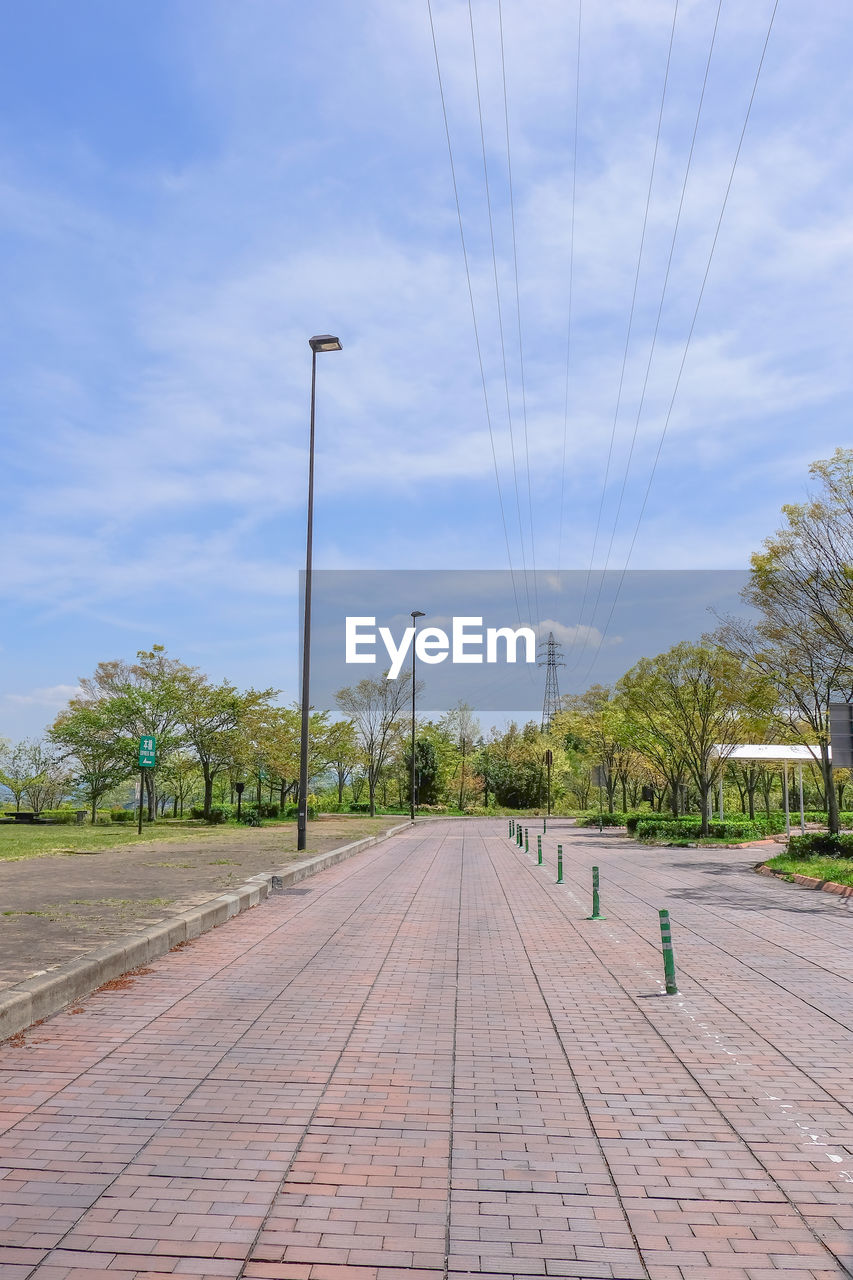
(57, 908)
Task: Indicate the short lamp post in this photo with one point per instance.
(416, 613)
(323, 342)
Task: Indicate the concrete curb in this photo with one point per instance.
(807, 882)
(39, 997)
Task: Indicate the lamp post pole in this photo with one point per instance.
(416, 613)
(324, 342)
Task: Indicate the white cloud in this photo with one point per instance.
(56, 695)
(167, 388)
(577, 636)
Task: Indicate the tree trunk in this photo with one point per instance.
(371, 789)
(829, 787)
(208, 792)
(704, 793)
(94, 808)
(151, 792)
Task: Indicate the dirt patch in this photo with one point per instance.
(58, 908)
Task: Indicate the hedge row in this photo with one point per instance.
(68, 817)
(691, 829)
(590, 818)
(820, 844)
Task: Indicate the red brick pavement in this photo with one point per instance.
(431, 1064)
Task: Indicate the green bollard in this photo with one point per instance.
(559, 864)
(668, 954)
(520, 839)
(596, 902)
(539, 850)
(526, 841)
(509, 827)
(545, 824)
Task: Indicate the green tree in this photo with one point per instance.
(426, 769)
(96, 757)
(139, 699)
(680, 706)
(801, 639)
(210, 716)
(376, 708)
(594, 723)
(16, 772)
(343, 752)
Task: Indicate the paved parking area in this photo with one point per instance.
(429, 1063)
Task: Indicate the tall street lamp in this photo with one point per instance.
(416, 613)
(323, 342)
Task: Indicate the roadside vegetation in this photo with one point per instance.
(25, 841)
(642, 753)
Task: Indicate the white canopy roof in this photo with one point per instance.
(769, 751)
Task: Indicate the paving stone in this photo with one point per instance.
(440, 1050)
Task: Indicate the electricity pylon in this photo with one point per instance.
(552, 654)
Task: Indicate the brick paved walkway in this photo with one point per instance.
(429, 1063)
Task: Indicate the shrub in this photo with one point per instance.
(690, 828)
(589, 818)
(123, 815)
(292, 811)
(672, 828)
(218, 813)
(632, 819)
(64, 816)
(820, 844)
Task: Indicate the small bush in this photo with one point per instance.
(662, 828)
(590, 817)
(820, 844)
(690, 828)
(123, 815)
(64, 816)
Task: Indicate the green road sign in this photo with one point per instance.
(147, 753)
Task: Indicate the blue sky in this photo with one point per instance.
(191, 188)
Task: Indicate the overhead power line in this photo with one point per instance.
(630, 325)
(571, 288)
(661, 300)
(498, 302)
(688, 341)
(517, 306)
(473, 307)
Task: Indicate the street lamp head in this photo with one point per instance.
(416, 613)
(325, 342)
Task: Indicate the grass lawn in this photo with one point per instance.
(20, 841)
(839, 870)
